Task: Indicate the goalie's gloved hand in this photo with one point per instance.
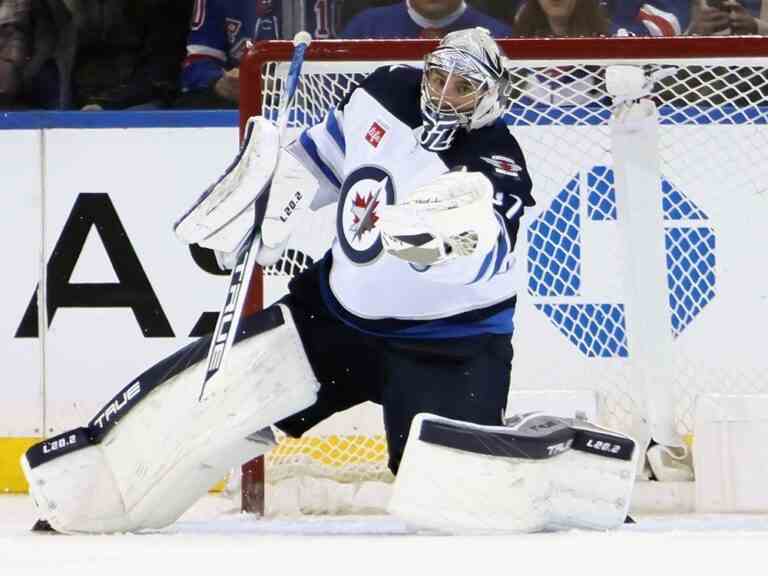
(424, 248)
(449, 218)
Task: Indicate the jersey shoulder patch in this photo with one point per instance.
(504, 165)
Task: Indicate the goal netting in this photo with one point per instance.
(587, 317)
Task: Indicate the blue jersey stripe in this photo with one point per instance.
(494, 319)
(333, 128)
(311, 149)
(503, 247)
(483, 267)
(501, 253)
(500, 323)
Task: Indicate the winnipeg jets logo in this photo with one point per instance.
(363, 191)
(505, 166)
(364, 213)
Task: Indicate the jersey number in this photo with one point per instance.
(327, 18)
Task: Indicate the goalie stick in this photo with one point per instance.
(240, 278)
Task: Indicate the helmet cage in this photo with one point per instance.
(450, 67)
(491, 87)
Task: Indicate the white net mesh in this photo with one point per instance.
(571, 325)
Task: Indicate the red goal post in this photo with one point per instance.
(583, 312)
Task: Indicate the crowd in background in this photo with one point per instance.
(152, 54)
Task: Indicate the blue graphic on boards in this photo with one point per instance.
(554, 263)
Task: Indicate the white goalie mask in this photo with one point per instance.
(467, 68)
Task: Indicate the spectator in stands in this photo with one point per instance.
(647, 18)
(350, 8)
(148, 58)
(51, 52)
(111, 54)
(724, 17)
(219, 35)
(15, 28)
(739, 85)
(561, 18)
(421, 19)
(627, 17)
(561, 85)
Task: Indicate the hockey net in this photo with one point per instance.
(572, 329)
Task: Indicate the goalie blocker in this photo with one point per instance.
(265, 186)
(537, 473)
(152, 451)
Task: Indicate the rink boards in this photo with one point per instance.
(92, 200)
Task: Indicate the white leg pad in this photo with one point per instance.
(80, 493)
(163, 450)
(459, 490)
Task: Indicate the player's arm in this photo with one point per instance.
(445, 230)
(307, 176)
(300, 176)
(462, 228)
(321, 149)
(263, 174)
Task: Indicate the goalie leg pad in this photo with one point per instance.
(157, 448)
(224, 214)
(80, 492)
(545, 473)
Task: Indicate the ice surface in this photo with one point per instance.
(214, 539)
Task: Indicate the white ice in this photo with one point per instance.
(213, 539)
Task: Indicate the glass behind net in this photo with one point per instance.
(570, 324)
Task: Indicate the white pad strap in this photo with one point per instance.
(545, 473)
(448, 218)
(156, 448)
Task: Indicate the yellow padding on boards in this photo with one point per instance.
(12, 479)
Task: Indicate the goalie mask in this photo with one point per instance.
(464, 85)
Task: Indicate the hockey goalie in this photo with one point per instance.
(412, 308)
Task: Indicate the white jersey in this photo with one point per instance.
(367, 153)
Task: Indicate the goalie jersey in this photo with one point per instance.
(367, 153)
